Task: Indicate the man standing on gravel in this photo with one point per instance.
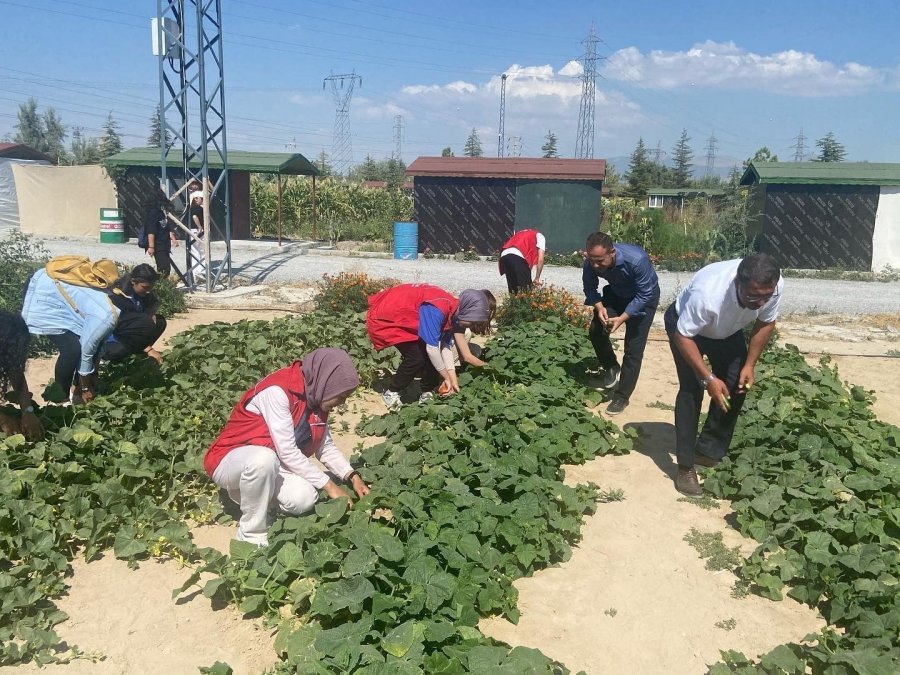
(708, 319)
(630, 297)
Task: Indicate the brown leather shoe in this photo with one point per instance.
(703, 460)
(687, 484)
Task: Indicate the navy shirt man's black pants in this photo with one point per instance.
(636, 331)
(726, 357)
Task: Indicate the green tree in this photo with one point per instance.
(156, 130)
(45, 133)
(682, 156)
(830, 149)
(612, 180)
(549, 147)
(322, 165)
(640, 171)
(84, 149)
(447, 152)
(111, 140)
(473, 145)
(761, 155)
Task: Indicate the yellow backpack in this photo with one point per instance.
(81, 271)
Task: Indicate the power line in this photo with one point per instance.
(342, 143)
(502, 131)
(584, 142)
(800, 147)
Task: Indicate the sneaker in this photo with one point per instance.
(687, 484)
(617, 405)
(426, 396)
(609, 377)
(703, 460)
(391, 399)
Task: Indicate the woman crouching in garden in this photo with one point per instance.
(422, 322)
(262, 456)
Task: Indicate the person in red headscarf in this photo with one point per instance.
(262, 456)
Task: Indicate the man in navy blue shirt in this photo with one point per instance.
(630, 297)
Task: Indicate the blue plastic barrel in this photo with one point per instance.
(406, 241)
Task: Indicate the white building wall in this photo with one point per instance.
(886, 237)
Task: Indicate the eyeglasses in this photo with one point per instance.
(754, 298)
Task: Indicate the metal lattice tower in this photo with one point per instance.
(188, 43)
(658, 152)
(342, 146)
(501, 133)
(800, 147)
(398, 137)
(584, 142)
(712, 144)
(515, 146)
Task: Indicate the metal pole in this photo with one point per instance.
(315, 234)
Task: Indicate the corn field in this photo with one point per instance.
(343, 210)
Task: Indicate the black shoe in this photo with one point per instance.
(687, 484)
(617, 405)
(609, 377)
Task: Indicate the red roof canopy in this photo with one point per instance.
(20, 151)
(509, 167)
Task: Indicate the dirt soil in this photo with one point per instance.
(634, 598)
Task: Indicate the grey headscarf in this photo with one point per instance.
(473, 306)
(327, 373)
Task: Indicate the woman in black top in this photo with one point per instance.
(160, 232)
(139, 326)
(198, 258)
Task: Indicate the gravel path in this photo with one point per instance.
(262, 262)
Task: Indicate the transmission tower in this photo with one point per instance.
(187, 39)
(711, 144)
(515, 146)
(342, 147)
(584, 142)
(800, 147)
(502, 132)
(398, 137)
(658, 152)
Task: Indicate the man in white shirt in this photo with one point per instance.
(707, 319)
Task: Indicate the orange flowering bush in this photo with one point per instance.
(349, 291)
(542, 302)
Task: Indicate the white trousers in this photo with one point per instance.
(256, 481)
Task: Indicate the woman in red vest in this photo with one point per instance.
(262, 456)
(521, 252)
(421, 321)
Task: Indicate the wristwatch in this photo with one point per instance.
(351, 474)
(706, 380)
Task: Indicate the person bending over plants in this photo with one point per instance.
(139, 326)
(14, 339)
(630, 297)
(423, 322)
(77, 320)
(708, 319)
(521, 252)
(262, 457)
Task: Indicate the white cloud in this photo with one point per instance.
(367, 108)
(724, 65)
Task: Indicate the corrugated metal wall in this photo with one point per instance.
(820, 226)
(455, 213)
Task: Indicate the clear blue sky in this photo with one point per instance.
(751, 73)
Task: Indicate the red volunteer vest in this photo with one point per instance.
(526, 242)
(393, 315)
(247, 428)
